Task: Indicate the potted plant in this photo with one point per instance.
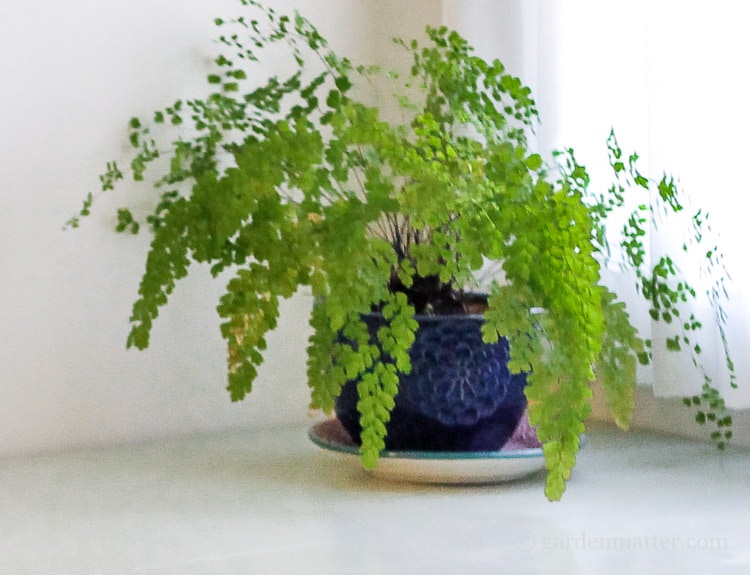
(299, 181)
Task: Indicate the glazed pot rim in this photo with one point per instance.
(436, 316)
(432, 317)
(449, 316)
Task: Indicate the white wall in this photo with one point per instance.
(504, 29)
(72, 74)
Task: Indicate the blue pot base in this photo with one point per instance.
(415, 432)
(459, 396)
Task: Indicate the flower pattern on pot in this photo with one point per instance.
(456, 378)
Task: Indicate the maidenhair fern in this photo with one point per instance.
(293, 181)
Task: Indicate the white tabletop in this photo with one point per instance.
(271, 502)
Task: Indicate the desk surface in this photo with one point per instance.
(250, 502)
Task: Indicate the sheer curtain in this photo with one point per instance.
(699, 125)
(670, 76)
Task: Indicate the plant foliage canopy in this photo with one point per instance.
(301, 181)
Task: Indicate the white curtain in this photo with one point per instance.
(699, 125)
(671, 77)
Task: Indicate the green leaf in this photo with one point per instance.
(534, 162)
(125, 222)
(343, 83)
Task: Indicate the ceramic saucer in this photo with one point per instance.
(512, 462)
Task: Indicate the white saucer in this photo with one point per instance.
(433, 466)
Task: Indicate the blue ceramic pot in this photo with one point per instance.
(460, 395)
